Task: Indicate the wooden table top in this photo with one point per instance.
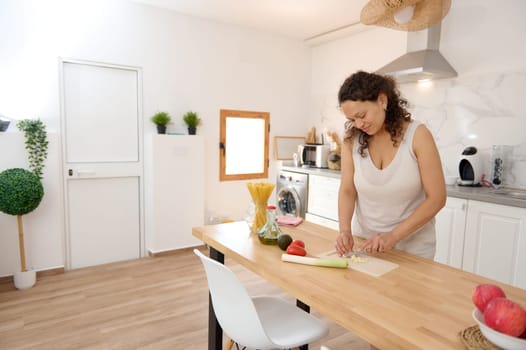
(420, 305)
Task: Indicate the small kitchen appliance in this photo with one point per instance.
(470, 167)
(314, 155)
(500, 159)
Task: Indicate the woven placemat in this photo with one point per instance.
(473, 339)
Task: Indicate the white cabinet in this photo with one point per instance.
(450, 224)
(322, 205)
(495, 242)
(178, 191)
(320, 220)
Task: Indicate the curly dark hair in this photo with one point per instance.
(364, 86)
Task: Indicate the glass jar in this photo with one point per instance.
(500, 159)
(260, 192)
(270, 231)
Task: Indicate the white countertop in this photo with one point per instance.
(484, 194)
(312, 171)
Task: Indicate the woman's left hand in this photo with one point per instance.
(379, 243)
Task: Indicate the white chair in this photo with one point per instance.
(263, 322)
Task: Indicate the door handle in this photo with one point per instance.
(81, 172)
(85, 172)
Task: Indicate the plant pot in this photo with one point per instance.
(4, 124)
(161, 129)
(25, 280)
(191, 131)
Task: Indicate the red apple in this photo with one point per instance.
(505, 316)
(523, 335)
(484, 293)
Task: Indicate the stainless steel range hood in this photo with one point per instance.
(422, 61)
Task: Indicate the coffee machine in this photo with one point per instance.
(470, 167)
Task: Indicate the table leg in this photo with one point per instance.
(215, 333)
(305, 308)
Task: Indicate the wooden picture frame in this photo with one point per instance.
(285, 146)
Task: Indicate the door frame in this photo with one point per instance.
(64, 176)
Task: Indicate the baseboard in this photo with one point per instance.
(42, 273)
(170, 252)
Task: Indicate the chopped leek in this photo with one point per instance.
(327, 262)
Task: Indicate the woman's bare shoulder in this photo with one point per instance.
(423, 139)
(422, 132)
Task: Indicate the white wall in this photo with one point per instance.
(481, 107)
(187, 63)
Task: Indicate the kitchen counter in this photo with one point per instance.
(482, 194)
(419, 305)
(485, 194)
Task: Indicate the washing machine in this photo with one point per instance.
(291, 189)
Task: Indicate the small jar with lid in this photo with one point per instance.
(270, 231)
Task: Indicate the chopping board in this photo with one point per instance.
(371, 265)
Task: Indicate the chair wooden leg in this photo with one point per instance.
(229, 344)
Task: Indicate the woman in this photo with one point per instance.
(391, 174)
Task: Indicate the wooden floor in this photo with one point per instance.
(150, 303)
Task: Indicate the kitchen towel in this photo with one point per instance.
(289, 220)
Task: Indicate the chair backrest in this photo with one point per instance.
(233, 306)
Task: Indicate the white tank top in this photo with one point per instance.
(385, 197)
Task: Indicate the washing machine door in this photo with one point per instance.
(289, 202)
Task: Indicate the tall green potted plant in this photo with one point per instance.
(21, 191)
(161, 119)
(192, 120)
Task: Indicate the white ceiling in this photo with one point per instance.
(300, 19)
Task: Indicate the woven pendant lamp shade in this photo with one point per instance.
(426, 13)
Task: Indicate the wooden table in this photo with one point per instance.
(420, 305)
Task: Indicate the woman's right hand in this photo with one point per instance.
(344, 243)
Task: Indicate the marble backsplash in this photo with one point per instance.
(479, 110)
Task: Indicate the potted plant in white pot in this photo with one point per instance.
(192, 120)
(21, 191)
(161, 119)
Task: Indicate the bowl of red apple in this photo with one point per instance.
(501, 320)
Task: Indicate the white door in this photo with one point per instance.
(103, 162)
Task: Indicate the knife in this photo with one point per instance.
(355, 253)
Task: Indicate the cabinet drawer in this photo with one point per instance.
(323, 196)
(322, 221)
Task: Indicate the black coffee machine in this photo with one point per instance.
(470, 167)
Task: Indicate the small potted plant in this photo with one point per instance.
(192, 120)
(161, 119)
(4, 124)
